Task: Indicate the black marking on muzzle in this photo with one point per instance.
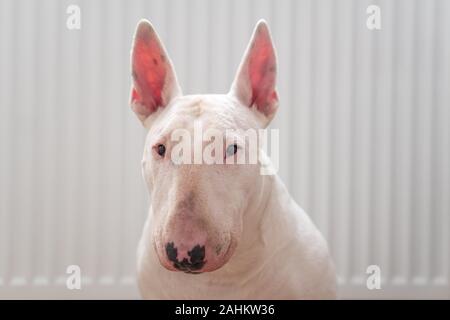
(196, 258)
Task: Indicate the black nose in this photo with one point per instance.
(196, 258)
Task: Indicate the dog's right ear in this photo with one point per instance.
(154, 81)
(254, 84)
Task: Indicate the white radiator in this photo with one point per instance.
(364, 127)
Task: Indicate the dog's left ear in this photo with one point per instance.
(254, 84)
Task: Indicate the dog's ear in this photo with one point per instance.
(154, 79)
(254, 84)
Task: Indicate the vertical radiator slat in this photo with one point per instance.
(93, 25)
(6, 133)
(440, 241)
(422, 113)
(340, 113)
(178, 40)
(381, 142)
(112, 141)
(198, 48)
(220, 39)
(362, 153)
(310, 152)
(44, 182)
(86, 88)
(71, 119)
(321, 123)
(23, 146)
(240, 30)
(400, 256)
(301, 104)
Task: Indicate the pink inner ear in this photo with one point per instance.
(149, 73)
(262, 73)
(135, 97)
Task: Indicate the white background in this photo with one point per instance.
(364, 122)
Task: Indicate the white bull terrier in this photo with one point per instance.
(219, 231)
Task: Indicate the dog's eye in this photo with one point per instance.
(232, 149)
(161, 149)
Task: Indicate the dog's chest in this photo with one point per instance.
(175, 286)
(158, 283)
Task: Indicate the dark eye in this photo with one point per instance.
(232, 149)
(161, 149)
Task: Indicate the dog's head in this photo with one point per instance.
(198, 204)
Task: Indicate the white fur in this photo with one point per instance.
(277, 252)
(280, 256)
